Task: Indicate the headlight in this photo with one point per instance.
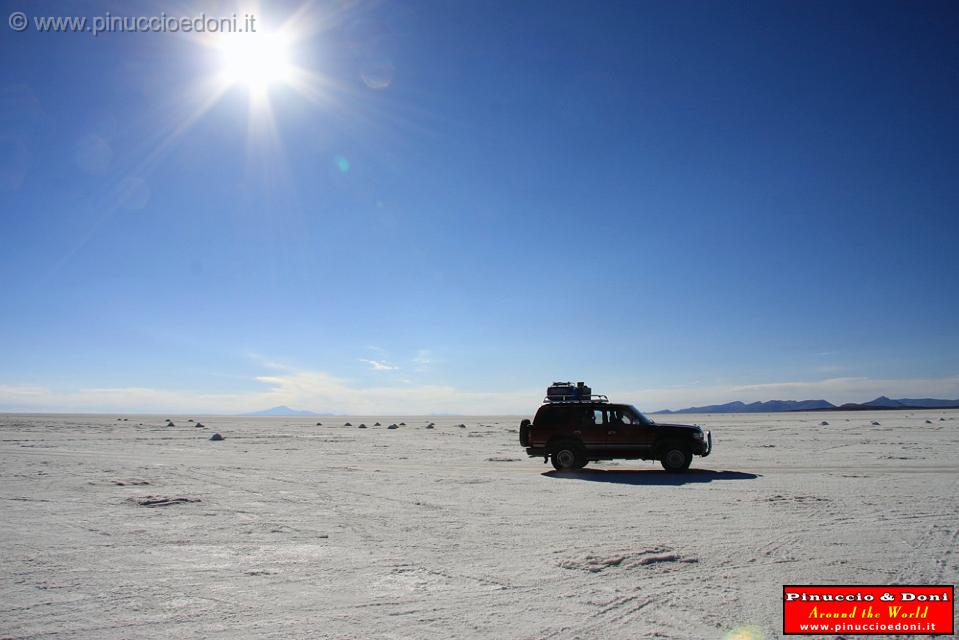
(698, 434)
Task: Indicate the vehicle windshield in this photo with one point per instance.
(642, 416)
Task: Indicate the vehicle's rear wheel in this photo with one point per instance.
(567, 456)
(675, 457)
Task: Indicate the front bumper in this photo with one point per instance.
(707, 444)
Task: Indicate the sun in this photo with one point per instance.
(255, 60)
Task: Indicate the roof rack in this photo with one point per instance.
(576, 399)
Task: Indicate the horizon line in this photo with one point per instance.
(250, 414)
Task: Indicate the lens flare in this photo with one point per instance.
(746, 632)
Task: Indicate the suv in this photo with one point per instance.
(572, 433)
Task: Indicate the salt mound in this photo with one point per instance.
(217, 437)
(595, 563)
(162, 501)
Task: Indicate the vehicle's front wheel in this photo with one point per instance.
(566, 456)
(675, 458)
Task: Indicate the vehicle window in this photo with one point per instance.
(584, 417)
(546, 418)
(622, 416)
(639, 417)
(598, 416)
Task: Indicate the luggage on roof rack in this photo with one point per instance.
(569, 392)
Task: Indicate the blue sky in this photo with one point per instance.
(455, 203)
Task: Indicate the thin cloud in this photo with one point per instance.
(263, 361)
(314, 390)
(422, 361)
(829, 368)
(379, 365)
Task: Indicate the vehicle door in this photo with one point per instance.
(591, 427)
(627, 431)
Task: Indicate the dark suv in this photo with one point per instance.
(573, 433)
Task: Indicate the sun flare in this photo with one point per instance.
(256, 61)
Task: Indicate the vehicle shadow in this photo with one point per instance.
(650, 477)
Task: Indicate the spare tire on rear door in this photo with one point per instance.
(524, 432)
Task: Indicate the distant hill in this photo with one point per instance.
(774, 406)
(931, 403)
(283, 410)
(770, 406)
(882, 402)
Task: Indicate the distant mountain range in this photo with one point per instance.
(283, 410)
(774, 406)
(882, 402)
